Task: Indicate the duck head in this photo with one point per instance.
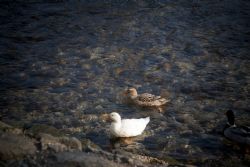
(131, 92)
(114, 117)
(230, 117)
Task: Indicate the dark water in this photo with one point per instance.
(64, 63)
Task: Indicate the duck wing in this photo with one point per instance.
(244, 131)
(147, 97)
(246, 128)
(240, 132)
(133, 127)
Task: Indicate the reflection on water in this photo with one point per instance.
(64, 63)
(119, 142)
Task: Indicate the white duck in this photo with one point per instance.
(127, 127)
(145, 99)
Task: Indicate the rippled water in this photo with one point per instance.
(65, 63)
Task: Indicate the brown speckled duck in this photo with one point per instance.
(145, 99)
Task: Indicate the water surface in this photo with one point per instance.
(65, 63)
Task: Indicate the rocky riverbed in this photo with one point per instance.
(66, 63)
(46, 147)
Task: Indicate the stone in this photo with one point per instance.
(80, 159)
(36, 129)
(4, 125)
(7, 128)
(59, 144)
(14, 146)
(71, 142)
(88, 145)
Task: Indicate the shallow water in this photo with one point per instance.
(63, 64)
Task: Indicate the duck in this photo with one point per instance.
(237, 134)
(126, 127)
(145, 99)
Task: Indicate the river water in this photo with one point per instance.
(64, 63)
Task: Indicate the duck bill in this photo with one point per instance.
(109, 119)
(125, 93)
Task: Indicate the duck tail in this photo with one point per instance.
(163, 100)
(147, 119)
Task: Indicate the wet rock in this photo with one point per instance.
(7, 128)
(171, 160)
(138, 160)
(122, 156)
(50, 142)
(227, 162)
(14, 146)
(88, 145)
(36, 129)
(80, 159)
(4, 126)
(59, 144)
(71, 142)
